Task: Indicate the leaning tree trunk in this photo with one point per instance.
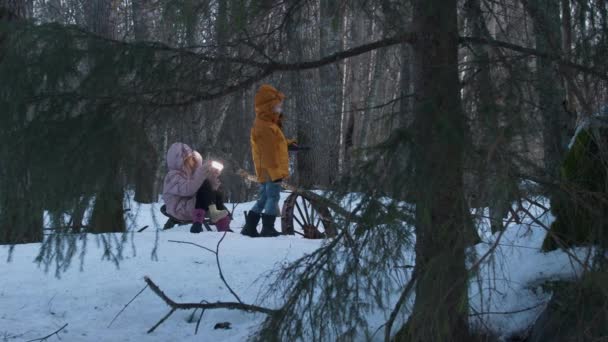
(555, 120)
(20, 204)
(441, 308)
(496, 187)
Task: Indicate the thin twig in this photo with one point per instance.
(507, 312)
(162, 320)
(198, 323)
(123, 309)
(49, 335)
(194, 244)
(405, 294)
(219, 267)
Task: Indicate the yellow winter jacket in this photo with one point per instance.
(268, 144)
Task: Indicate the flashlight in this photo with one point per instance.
(217, 165)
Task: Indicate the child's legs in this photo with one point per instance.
(258, 207)
(204, 196)
(273, 194)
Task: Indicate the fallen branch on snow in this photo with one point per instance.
(205, 306)
(50, 335)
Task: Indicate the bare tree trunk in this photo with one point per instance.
(146, 164)
(12, 10)
(100, 17)
(144, 152)
(494, 186)
(349, 91)
(441, 308)
(142, 20)
(556, 123)
(567, 46)
(405, 87)
(310, 123)
(53, 11)
(108, 210)
(20, 204)
(331, 92)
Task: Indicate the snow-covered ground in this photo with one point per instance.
(34, 303)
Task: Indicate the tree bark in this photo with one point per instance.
(21, 210)
(142, 19)
(495, 187)
(556, 123)
(309, 123)
(330, 91)
(143, 151)
(441, 308)
(100, 18)
(108, 210)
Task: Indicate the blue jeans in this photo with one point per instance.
(268, 199)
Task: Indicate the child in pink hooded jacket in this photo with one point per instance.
(190, 189)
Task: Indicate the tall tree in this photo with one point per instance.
(20, 208)
(144, 157)
(310, 123)
(330, 92)
(108, 210)
(441, 307)
(555, 120)
(496, 187)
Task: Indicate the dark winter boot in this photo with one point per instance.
(198, 216)
(268, 226)
(251, 224)
(196, 228)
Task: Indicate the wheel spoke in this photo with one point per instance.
(300, 211)
(308, 220)
(296, 218)
(313, 214)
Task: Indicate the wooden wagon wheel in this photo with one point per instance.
(304, 216)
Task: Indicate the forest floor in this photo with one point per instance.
(505, 294)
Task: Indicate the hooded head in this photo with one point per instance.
(177, 154)
(266, 99)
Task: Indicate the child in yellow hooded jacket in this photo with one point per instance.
(269, 152)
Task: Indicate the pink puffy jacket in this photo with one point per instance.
(180, 186)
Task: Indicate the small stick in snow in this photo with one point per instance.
(123, 309)
(219, 267)
(198, 323)
(42, 339)
(162, 320)
(194, 244)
